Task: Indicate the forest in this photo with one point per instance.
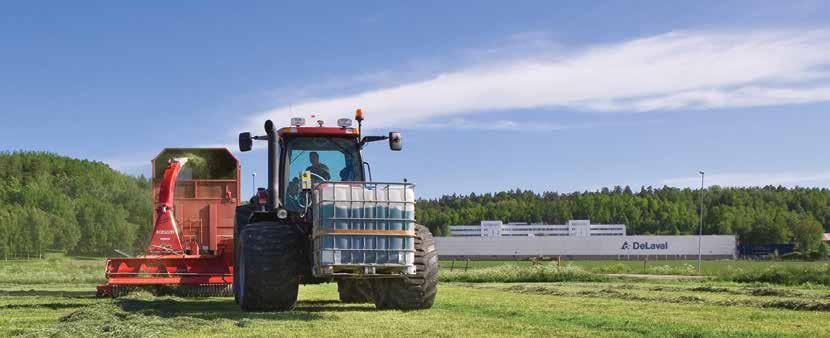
(51, 202)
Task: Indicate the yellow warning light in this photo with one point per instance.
(358, 115)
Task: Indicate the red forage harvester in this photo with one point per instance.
(196, 191)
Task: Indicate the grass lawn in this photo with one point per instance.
(683, 267)
(60, 304)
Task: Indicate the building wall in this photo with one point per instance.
(716, 246)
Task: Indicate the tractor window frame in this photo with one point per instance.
(287, 148)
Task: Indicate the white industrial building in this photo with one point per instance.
(572, 228)
(586, 247)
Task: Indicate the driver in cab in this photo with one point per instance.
(318, 170)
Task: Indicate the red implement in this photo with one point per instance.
(191, 249)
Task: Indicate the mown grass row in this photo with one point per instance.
(512, 273)
(55, 269)
(663, 296)
(652, 266)
(58, 269)
(461, 310)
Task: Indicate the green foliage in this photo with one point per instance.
(761, 215)
(201, 163)
(783, 274)
(80, 207)
(823, 250)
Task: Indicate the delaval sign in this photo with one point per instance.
(634, 245)
(509, 247)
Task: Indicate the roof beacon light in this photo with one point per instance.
(358, 115)
(297, 121)
(344, 123)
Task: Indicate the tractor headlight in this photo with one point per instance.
(344, 123)
(282, 213)
(297, 121)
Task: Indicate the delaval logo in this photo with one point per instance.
(644, 246)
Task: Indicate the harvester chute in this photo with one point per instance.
(191, 249)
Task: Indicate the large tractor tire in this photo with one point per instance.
(268, 261)
(243, 214)
(417, 291)
(354, 291)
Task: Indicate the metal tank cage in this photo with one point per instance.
(368, 232)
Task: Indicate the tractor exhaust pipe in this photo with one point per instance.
(273, 163)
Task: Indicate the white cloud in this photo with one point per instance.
(678, 70)
(460, 123)
(789, 179)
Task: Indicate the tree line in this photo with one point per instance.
(51, 202)
(757, 215)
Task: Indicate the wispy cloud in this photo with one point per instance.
(460, 123)
(677, 70)
(789, 179)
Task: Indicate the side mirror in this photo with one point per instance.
(395, 141)
(245, 142)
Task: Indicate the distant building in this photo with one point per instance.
(587, 247)
(577, 228)
(826, 238)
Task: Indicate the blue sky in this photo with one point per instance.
(489, 95)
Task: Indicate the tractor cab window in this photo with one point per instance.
(329, 159)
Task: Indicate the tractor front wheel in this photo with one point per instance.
(417, 291)
(269, 261)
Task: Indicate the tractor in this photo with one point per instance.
(321, 219)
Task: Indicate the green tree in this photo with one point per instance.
(806, 232)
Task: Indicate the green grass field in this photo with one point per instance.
(681, 267)
(55, 297)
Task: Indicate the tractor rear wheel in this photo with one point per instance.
(354, 291)
(268, 261)
(416, 291)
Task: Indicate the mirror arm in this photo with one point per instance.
(367, 139)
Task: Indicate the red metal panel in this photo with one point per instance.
(171, 269)
(203, 206)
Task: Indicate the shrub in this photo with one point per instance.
(782, 274)
(823, 250)
(685, 269)
(790, 256)
(615, 268)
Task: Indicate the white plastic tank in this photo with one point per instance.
(359, 225)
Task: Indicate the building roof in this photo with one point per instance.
(826, 237)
